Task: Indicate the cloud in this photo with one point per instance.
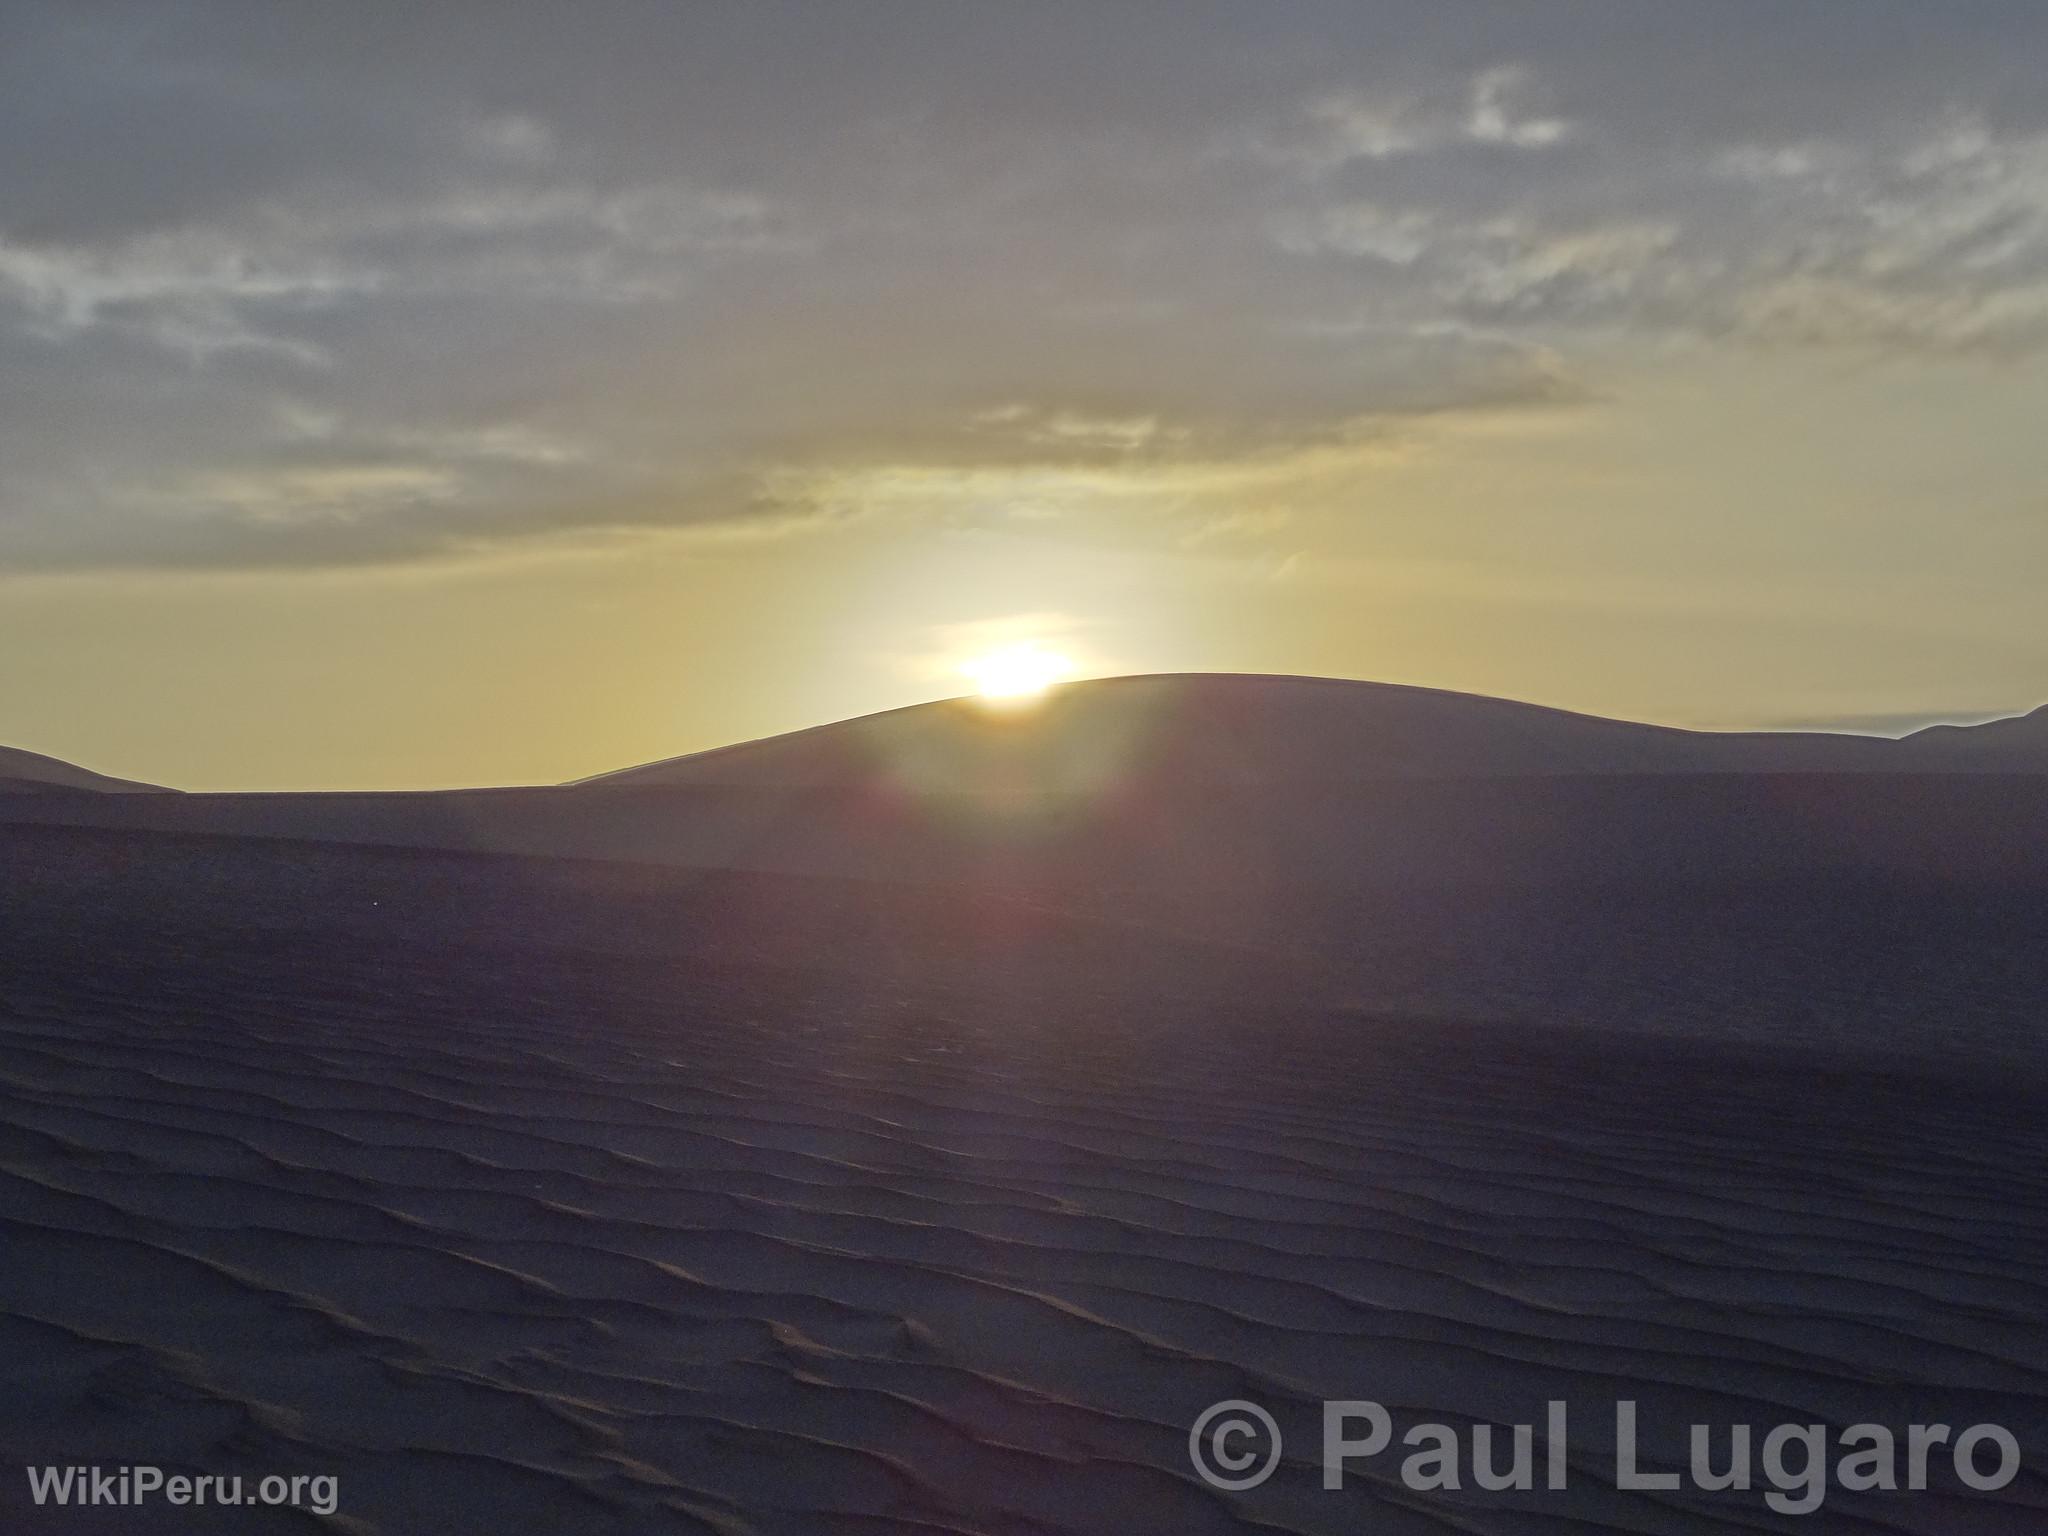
(1502, 112)
(1495, 107)
(342, 493)
(512, 137)
(1399, 237)
(238, 286)
(192, 295)
(1939, 241)
(1933, 241)
(365, 284)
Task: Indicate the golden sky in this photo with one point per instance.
(393, 397)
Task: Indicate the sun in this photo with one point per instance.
(1016, 672)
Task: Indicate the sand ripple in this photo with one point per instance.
(670, 1234)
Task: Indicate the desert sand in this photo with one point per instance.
(915, 1124)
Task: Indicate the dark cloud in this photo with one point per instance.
(312, 284)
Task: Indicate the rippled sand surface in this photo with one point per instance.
(536, 1195)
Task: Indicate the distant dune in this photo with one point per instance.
(1247, 730)
(1234, 728)
(2019, 741)
(31, 773)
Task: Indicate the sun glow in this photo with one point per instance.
(1016, 672)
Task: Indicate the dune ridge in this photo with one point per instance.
(30, 772)
(1247, 729)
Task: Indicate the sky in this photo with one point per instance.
(402, 395)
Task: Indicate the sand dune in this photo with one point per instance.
(1242, 730)
(30, 772)
(1236, 809)
(829, 1157)
(1237, 729)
